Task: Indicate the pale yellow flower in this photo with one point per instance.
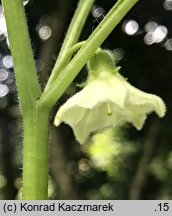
(107, 100)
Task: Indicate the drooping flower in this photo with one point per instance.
(107, 100)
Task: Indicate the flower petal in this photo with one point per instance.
(87, 120)
(138, 121)
(142, 102)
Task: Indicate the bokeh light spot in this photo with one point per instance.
(3, 90)
(118, 54)
(149, 39)
(130, 27)
(25, 2)
(98, 12)
(160, 33)
(3, 74)
(3, 28)
(44, 32)
(151, 26)
(7, 61)
(39, 65)
(156, 36)
(168, 44)
(168, 5)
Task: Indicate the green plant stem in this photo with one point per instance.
(35, 162)
(54, 92)
(71, 38)
(35, 117)
(76, 47)
(24, 65)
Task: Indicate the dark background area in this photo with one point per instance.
(139, 163)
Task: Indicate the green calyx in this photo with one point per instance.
(100, 66)
(103, 60)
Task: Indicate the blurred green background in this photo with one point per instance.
(120, 163)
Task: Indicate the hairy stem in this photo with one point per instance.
(24, 65)
(35, 162)
(71, 37)
(35, 118)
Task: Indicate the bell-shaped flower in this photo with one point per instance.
(107, 100)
